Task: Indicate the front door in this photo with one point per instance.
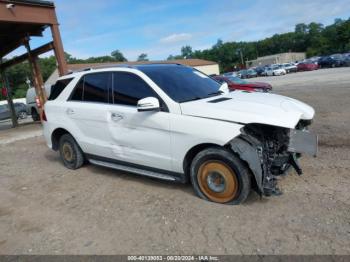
(141, 138)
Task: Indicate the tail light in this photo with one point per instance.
(37, 101)
(44, 116)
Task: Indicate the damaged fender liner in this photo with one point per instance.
(248, 153)
(270, 152)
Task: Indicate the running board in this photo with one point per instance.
(134, 170)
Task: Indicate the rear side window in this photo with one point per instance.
(93, 88)
(78, 91)
(129, 88)
(57, 88)
(96, 87)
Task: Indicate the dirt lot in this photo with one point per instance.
(47, 209)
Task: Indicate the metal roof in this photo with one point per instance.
(32, 2)
(24, 19)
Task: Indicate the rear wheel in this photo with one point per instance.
(219, 176)
(71, 154)
(35, 115)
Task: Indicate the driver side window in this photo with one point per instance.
(129, 88)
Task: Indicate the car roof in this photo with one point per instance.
(118, 66)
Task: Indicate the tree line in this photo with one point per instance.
(313, 38)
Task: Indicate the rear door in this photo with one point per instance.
(87, 111)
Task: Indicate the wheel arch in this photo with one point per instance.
(56, 135)
(33, 109)
(191, 153)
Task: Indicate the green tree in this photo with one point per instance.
(142, 57)
(118, 56)
(186, 51)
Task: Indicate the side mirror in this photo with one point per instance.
(148, 104)
(224, 88)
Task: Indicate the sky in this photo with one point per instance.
(161, 27)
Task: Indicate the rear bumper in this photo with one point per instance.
(47, 130)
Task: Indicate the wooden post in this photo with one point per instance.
(58, 49)
(37, 77)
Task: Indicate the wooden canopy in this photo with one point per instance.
(19, 21)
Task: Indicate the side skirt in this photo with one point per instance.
(137, 169)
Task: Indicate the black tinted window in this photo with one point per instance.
(92, 88)
(96, 87)
(128, 88)
(57, 88)
(181, 83)
(78, 91)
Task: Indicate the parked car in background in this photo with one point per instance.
(331, 61)
(345, 60)
(275, 70)
(31, 100)
(260, 70)
(249, 73)
(20, 109)
(235, 83)
(307, 66)
(230, 74)
(313, 59)
(290, 67)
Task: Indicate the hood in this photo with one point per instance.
(250, 107)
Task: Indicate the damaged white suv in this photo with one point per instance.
(172, 122)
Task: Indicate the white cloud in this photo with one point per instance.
(174, 38)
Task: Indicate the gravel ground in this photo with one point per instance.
(47, 209)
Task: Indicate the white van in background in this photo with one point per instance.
(32, 107)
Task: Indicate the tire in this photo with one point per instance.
(35, 115)
(219, 176)
(22, 115)
(71, 154)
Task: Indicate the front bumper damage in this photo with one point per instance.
(267, 160)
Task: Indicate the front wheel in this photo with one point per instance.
(219, 176)
(22, 115)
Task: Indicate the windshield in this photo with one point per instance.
(236, 80)
(181, 83)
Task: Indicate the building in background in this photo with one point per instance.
(207, 67)
(277, 59)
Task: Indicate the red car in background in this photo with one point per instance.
(235, 83)
(307, 66)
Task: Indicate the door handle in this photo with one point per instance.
(116, 117)
(70, 111)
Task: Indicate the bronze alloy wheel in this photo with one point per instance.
(217, 181)
(68, 153)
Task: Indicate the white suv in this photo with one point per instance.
(173, 122)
